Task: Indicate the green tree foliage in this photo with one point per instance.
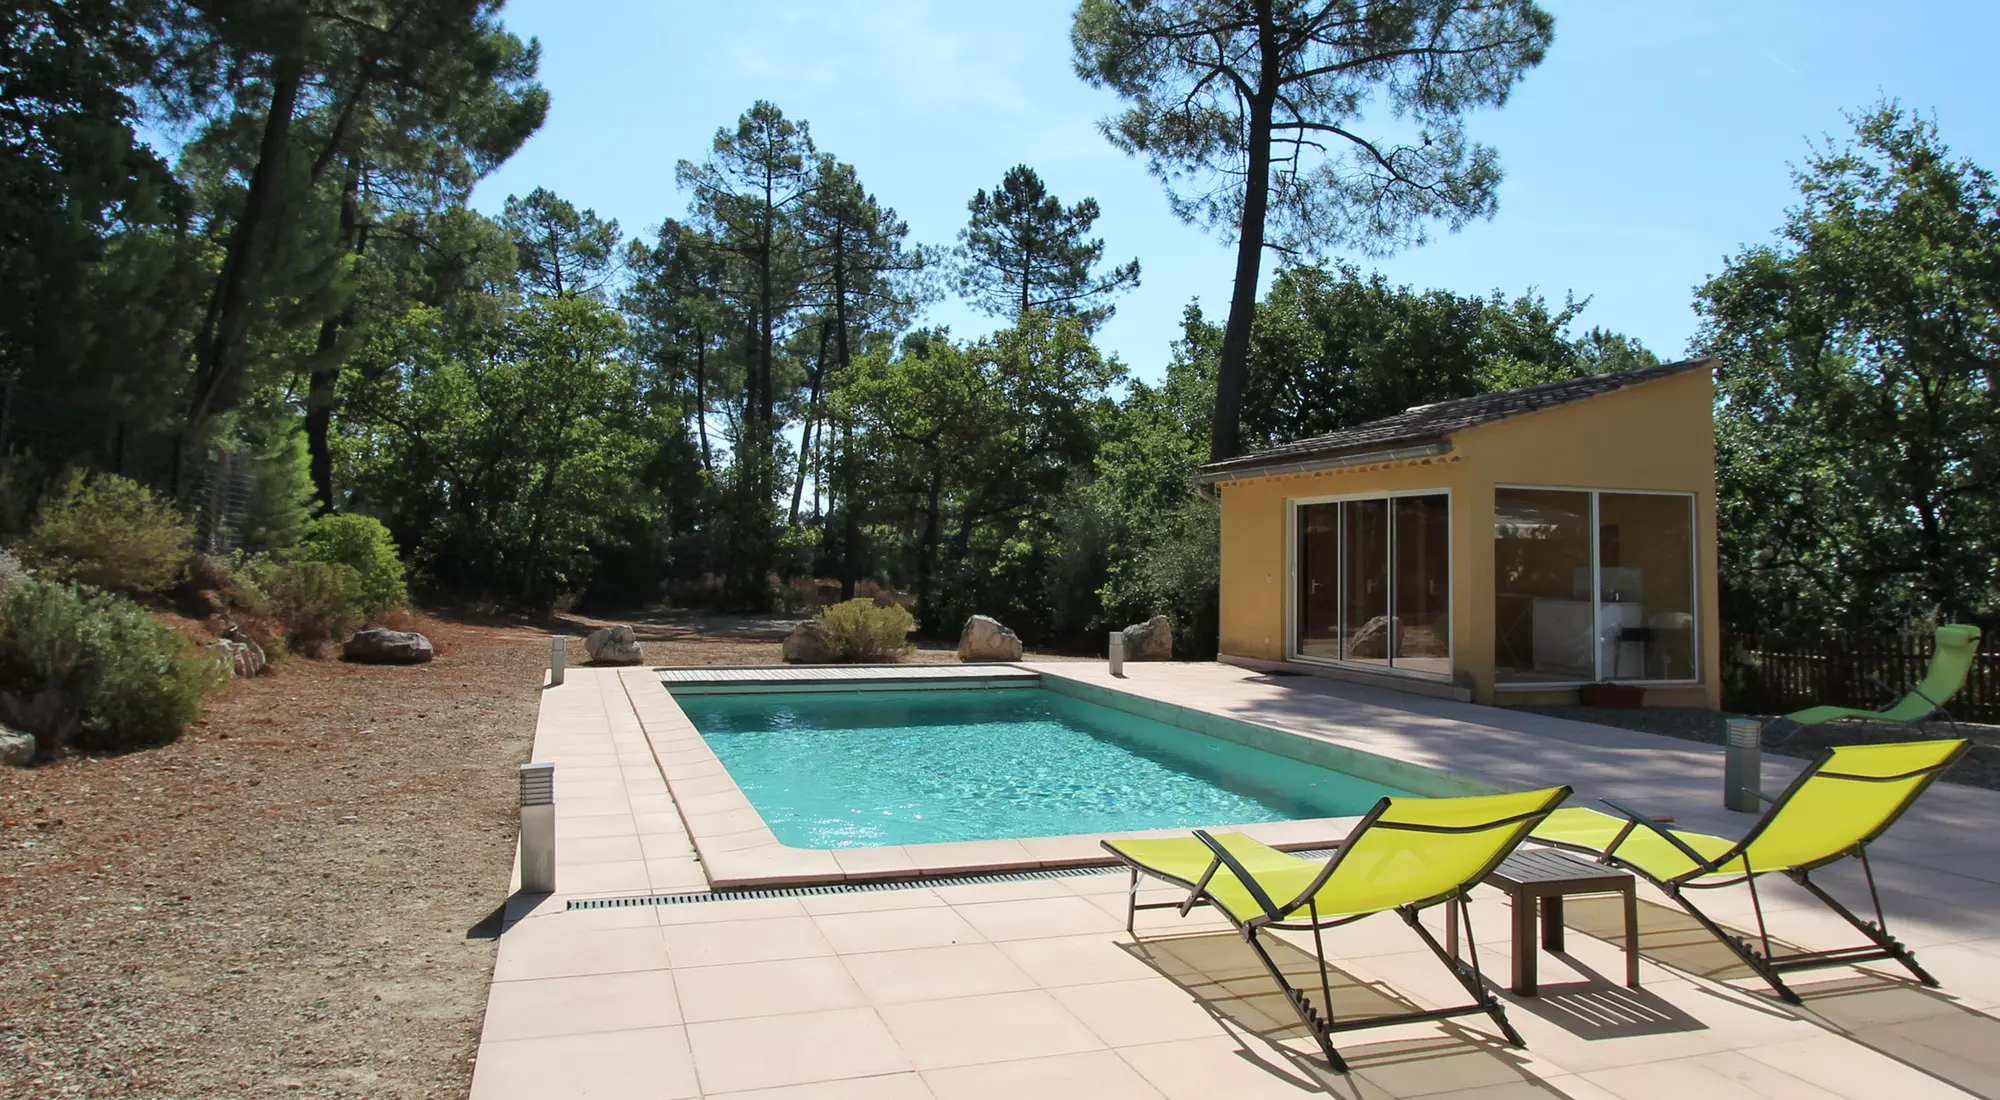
(1857, 431)
(502, 458)
(82, 667)
(110, 532)
(1024, 250)
(1332, 349)
(1254, 117)
(563, 251)
(362, 544)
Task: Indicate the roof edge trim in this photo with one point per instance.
(1323, 462)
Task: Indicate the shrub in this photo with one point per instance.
(109, 532)
(858, 630)
(363, 545)
(10, 570)
(316, 602)
(89, 668)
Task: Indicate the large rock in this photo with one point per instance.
(806, 645)
(241, 653)
(984, 639)
(614, 645)
(388, 647)
(16, 748)
(1152, 640)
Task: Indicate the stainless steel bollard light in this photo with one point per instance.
(1117, 653)
(1743, 766)
(538, 828)
(558, 657)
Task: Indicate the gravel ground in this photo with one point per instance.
(1978, 768)
(294, 899)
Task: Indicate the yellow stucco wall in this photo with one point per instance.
(1657, 435)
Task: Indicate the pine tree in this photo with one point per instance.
(1023, 250)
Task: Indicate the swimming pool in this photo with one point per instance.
(856, 769)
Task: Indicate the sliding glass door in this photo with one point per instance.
(1592, 586)
(1372, 580)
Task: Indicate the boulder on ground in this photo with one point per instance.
(388, 647)
(16, 748)
(241, 653)
(806, 645)
(984, 639)
(1152, 640)
(614, 645)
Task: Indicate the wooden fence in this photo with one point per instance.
(1772, 676)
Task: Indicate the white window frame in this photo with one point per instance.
(1387, 668)
(1597, 593)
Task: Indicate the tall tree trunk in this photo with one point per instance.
(701, 398)
(927, 546)
(1027, 278)
(850, 517)
(323, 384)
(228, 319)
(1226, 435)
(812, 410)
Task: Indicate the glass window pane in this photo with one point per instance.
(1423, 584)
(1645, 558)
(1365, 577)
(1319, 581)
(1542, 618)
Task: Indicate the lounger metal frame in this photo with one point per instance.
(1324, 1027)
(1759, 955)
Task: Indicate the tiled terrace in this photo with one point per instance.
(1034, 988)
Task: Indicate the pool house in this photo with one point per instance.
(1506, 548)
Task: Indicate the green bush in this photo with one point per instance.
(317, 603)
(858, 630)
(363, 545)
(109, 532)
(84, 667)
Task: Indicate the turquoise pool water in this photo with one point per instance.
(856, 769)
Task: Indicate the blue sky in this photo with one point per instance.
(1653, 141)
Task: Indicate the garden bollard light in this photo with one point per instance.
(558, 656)
(538, 828)
(1743, 766)
(1117, 653)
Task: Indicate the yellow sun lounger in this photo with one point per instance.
(1405, 855)
(1848, 797)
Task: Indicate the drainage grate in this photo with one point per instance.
(837, 888)
(695, 896)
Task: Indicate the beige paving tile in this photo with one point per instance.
(1848, 1069)
(1097, 1075)
(675, 875)
(871, 901)
(766, 989)
(619, 848)
(1723, 1076)
(719, 944)
(1210, 1069)
(658, 845)
(610, 1065)
(546, 950)
(625, 877)
(720, 912)
(572, 1006)
(569, 829)
(933, 973)
(892, 1086)
(995, 1027)
(770, 1051)
(1033, 918)
(896, 929)
(665, 824)
(971, 856)
(1076, 960)
(1149, 1010)
(973, 893)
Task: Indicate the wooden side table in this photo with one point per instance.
(1537, 880)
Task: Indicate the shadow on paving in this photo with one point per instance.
(1926, 1029)
(1223, 976)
